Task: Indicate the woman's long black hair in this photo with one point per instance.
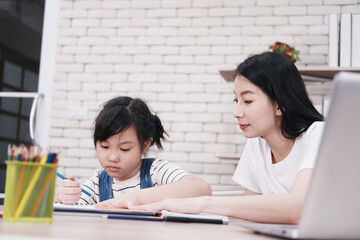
(281, 81)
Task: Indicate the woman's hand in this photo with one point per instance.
(127, 200)
(68, 191)
(181, 205)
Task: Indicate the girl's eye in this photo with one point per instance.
(247, 102)
(235, 101)
(124, 149)
(103, 146)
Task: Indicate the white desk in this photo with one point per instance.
(79, 227)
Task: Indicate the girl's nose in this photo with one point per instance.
(114, 157)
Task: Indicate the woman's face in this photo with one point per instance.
(256, 114)
(120, 155)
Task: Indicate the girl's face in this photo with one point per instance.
(256, 114)
(120, 155)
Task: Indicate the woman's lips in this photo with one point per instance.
(244, 126)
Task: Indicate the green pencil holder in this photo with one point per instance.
(29, 191)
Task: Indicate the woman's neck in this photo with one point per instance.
(280, 146)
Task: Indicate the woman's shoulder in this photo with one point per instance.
(313, 132)
(317, 124)
(316, 127)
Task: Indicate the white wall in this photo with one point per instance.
(169, 53)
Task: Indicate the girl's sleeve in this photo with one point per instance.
(164, 172)
(92, 186)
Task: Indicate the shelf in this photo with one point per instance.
(228, 156)
(309, 74)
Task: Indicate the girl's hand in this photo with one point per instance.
(127, 200)
(68, 191)
(180, 205)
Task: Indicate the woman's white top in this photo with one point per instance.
(257, 173)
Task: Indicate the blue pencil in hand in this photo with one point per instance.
(84, 191)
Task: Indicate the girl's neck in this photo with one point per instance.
(280, 146)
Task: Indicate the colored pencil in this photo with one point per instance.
(39, 199)
(30, 177)
(20, 183)
(31, 154)
(84, 191)
(9, 153)
(128, 217)
(31, 185)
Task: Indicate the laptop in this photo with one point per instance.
(332, 206)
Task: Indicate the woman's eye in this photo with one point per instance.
(103, 146)
(247, 102)
(124, 149)
(235, 100)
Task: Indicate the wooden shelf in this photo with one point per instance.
(309, 74)
(229, 156)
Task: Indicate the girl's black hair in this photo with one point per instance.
(281, 81)
(120, 113)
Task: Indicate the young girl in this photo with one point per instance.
(125, 129)
(283, 128)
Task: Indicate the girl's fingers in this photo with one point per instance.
(115, 202)
(68, 183)
(66, 198)
(149, 207)
(70, 191)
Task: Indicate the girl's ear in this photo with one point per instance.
(147, 145)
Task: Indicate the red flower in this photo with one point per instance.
(286, 50)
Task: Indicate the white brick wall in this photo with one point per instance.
(169, 53)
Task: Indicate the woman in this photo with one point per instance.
(283, 128)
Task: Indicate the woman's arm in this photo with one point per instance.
(249, 192)
(188, 186)
(272, 208)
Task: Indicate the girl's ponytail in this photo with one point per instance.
(159, 132)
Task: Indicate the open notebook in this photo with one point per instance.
(91, 209)
(128, 214)
(332, 206)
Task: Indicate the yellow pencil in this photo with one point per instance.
(44, 155)
(20, 182)
(30, 189)
(18, 188)
(42, 192)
